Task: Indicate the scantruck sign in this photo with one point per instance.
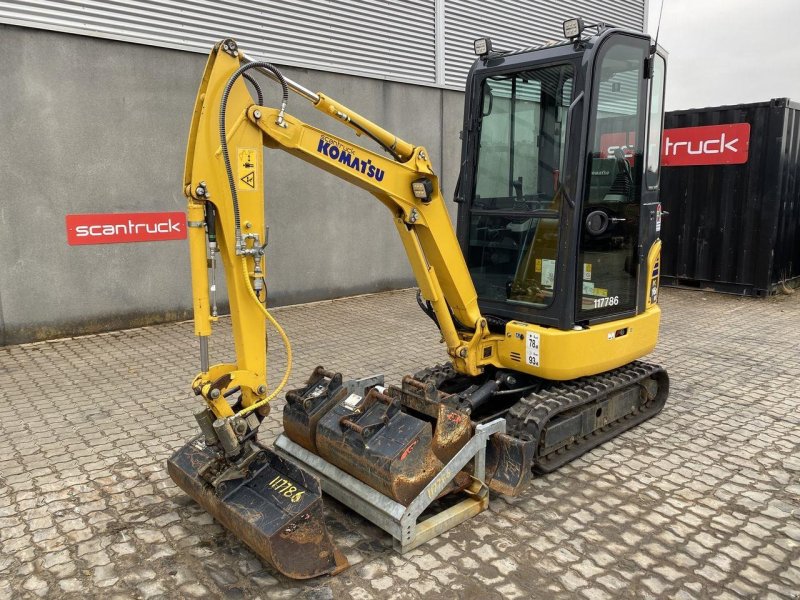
(120, 228)
(707, 145)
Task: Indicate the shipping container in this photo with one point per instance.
(730, 192)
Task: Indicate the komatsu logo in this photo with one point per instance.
(347, 156)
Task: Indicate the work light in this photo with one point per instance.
(482, 46)
(422, 188)
(573, 28)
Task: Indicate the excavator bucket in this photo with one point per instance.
(276, 509)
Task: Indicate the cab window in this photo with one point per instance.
(514, 216)
(608, 253)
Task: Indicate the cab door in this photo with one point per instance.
(609, 253)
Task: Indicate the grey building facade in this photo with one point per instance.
(95, 105)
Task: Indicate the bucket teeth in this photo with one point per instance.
(276, 509)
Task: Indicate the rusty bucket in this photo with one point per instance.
(276, 510)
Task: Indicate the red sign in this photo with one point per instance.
(708, 145)
(609, 142)
(119, 228)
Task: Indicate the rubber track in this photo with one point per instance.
(530, 415)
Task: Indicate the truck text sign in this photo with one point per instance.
(707, 145)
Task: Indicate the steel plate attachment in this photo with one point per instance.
(276, 510)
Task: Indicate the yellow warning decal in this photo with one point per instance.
(538, 265)
(248, 169)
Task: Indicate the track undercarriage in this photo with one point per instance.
(550, 423)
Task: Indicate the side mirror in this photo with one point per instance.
(487, 110)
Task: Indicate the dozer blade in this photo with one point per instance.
(276, 510)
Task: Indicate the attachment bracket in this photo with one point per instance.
(402, 522)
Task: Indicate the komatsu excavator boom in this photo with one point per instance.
(545, 298)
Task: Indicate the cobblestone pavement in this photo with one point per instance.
(703, 501)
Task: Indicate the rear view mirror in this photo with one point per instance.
(487, 107)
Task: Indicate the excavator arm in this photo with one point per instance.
(234, 227)
(270, 502)
(422, 222)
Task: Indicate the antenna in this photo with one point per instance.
(658, 27)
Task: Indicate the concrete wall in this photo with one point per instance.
(92, 125)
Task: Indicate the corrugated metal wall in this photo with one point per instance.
(393, 40)
(514, 25)
(418, 41)
(786, 263)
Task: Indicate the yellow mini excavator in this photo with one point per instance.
(546, 297)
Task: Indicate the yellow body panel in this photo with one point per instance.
(564, 355)
(654, 273)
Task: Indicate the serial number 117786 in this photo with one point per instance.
(286, 488)
(603, 302)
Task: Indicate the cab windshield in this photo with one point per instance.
(514, 216)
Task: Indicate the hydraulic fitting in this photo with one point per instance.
(227, 437)
(205, 419)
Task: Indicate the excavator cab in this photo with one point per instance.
(558, 194)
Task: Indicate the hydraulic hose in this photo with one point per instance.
(237, 220)
(223, 138)
(287, 345)
(428, 310)
(257, 87)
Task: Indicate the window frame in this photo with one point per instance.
(536, 213)
(655, 186)
(611, 313)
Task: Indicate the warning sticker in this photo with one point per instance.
(248, 169)
(532, 348)
(351, 401)
(548, 272)
(587, 271)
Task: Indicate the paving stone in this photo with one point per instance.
(612, 583)
(572, 581)
(150, 589)
(382, 583)
(194, 590)
(588, 569)
(700, 502)
(36, 586)
(71, 585)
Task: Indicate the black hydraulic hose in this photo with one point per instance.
(252, 80)
(223, 137)
(523, 389)
(480, 396)
(428, 310)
